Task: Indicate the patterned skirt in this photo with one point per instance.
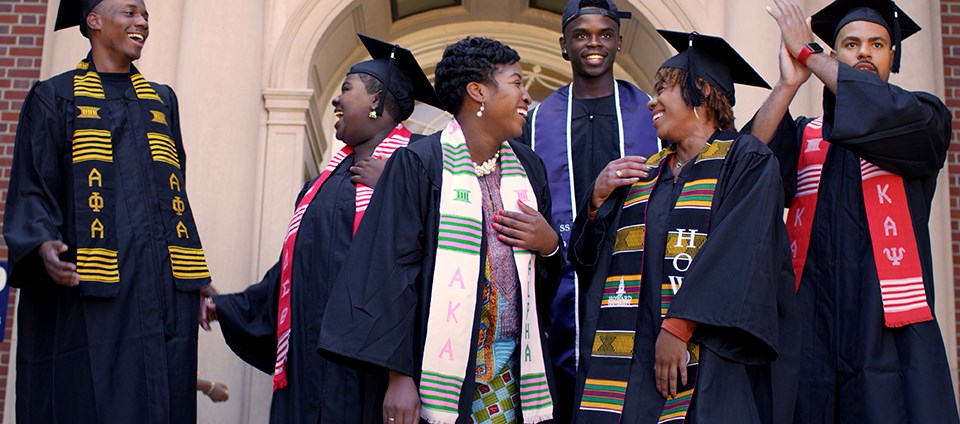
(499, 401)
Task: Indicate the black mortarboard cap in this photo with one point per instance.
(828, 22)
(74, 12)
(712, 59)
(575, 9)
(400, 74)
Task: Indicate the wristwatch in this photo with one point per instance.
(807, 50)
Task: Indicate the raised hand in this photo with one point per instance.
(618, 173)
(792, 73)
(794, 27)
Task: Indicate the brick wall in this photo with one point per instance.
(21, 46)
(950, 20)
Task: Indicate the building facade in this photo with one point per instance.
(255, 80)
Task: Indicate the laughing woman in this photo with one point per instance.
(687, 261)
(452, 272)
(277, 330)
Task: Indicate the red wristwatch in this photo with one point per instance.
(807, 50)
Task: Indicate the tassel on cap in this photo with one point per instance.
(895, 67)
(696, 97)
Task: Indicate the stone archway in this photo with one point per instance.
(316, 42)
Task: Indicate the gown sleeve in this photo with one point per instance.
(33, 213)
(785, 145)
(248, 321)
(589, 234)
(372, 312)
(732, 287)
(904, 132)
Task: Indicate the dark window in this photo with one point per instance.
(403, 8)
(555, 6)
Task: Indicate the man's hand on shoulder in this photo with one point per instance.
(62, 273)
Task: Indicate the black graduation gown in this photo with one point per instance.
(383, 293)
(325, 389)
(595, 142)
(594, 139)
(738, 289)
(854, 368)
(132, 358)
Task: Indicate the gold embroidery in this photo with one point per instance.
(95, 176)
(676, 245)
(716, 150)
(143, 88)
(178, 205)
(174, 182)
(96, 227)
(159, 117)
(88, 112)
(182, 230)
(162, 149)
(92, 145)
(188, 263)
(617, 344)
(88, 85)
(629, 239)
(95, 201)
(94, 264)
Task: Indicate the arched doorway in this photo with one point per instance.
(531, 27)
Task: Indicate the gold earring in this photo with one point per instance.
(480, 112)
(696, 114)
(372, 114)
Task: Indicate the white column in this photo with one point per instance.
(218, 73)
(282, 166)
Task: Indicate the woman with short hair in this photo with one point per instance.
(275, 325)
(451, 275)
(687, 260)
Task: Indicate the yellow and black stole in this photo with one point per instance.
(95, 182)
(605, 387)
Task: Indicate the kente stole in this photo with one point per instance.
(399, 137)
(95, 187)
(895, 251)
(456, 275)
(605, 387)
(552, 142)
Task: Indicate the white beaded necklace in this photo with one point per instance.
(487, 166)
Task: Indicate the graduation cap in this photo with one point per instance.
(828, 22)
(74, 12)
(400, 74)
(576, 8)
(712, 59)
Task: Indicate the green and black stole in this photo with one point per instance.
(95, 188)
(605, 387)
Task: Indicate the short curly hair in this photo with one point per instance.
(473, 59)
(390, 104)
(716, 104)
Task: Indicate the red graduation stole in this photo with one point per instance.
(399, 137)
(895, 251)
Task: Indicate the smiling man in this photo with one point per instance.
(860, 181)
(102, 241)
(577, 130)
